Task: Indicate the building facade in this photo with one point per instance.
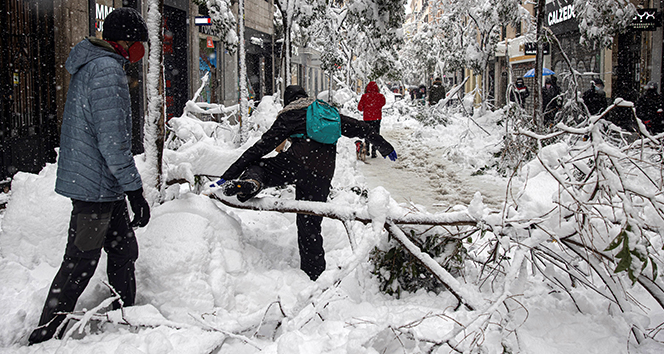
(634, 58)
(223, 65)
(37, 35)
(306, 72)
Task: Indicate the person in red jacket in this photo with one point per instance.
(371, 104)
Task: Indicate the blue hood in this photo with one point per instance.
(88, 50)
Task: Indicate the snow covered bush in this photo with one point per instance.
(516, 149)
(399, 271)
(430, 116)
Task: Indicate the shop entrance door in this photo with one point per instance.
(28, 118)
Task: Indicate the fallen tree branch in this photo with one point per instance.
(436, 269)
(229, 334)
(473, 323)
(110, 317)
(344, 212)
(322, 291)
(85, 318)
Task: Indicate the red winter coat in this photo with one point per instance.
(372, 102)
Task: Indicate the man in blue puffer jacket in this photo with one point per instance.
(96, 169)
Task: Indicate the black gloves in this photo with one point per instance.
(140, 207)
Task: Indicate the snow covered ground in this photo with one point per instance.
(424, 177)
(214, 279)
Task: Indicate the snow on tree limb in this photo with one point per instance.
(344, 212)
(609, 204)
(392, 218)
(224, 22)
(601, 20)
(361, 252)
(464, 296)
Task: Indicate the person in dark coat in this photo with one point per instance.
(436, 91)
(96, 169)
(371, 105)
(649, 108)
(520, 92)
(421, 93)
(623, 117)
(550, 100)
(595, 97)
(307, 164)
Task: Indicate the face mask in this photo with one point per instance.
(136, 52)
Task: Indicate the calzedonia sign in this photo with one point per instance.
(560, 16)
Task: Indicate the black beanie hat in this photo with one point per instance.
(125, 24)
(293, 92)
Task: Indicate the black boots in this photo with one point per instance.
(48, 330)
(245, 189)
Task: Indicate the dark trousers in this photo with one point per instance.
(375, 125)
(310, 186)
(93, 226)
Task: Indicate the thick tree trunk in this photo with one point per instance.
(284, 6)
(244, 93)
(287, 54)
(155, 120)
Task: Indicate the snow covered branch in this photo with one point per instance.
(439, 272)
(344, 212)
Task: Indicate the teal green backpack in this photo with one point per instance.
(323, 123)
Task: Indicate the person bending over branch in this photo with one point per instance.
(308, 164)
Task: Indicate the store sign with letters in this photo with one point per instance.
(646, 20)
(530, 48)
